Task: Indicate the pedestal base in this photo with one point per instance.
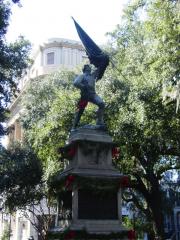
(89, 188)
(97, 226)
(91, 231)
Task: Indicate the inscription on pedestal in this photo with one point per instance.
(94, 206)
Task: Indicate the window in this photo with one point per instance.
(50, 58)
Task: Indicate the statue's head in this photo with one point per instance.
(86, 68)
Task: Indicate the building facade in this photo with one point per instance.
(53, 55)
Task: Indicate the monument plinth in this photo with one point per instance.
(89, 188)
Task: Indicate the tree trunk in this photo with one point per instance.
(154, 199)
(156, 205)
(159, 221)
(151, 236)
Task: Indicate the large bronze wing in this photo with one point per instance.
(96, 56)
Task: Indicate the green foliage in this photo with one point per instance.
(138, 113)
(163, 26)
(6, 234)
(20, 176)
(13, 60)
(50, 103)
(145, 127)
(41, 93)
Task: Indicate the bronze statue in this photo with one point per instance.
(86, 83)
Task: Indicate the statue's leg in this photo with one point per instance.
(80, 109)
(77, 117)
(100, 113)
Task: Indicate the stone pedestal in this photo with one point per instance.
(91, 186)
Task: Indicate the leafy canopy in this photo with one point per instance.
(13, 60)
(146, 57)
(20, 176)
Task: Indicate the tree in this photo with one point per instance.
(13, 60)
(49, 105)
(146, 128)
(163, 30)
(41, 216)
(20, 177)
(23, 187)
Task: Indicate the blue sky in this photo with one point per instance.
(39, 20)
